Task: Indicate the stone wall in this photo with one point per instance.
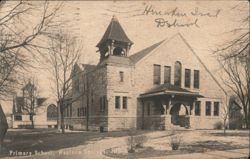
(166, 55)
(120, 118)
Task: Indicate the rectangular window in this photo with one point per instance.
(84, 111)
(121, 76)
(216, 108)
(208, 108)
(18, 117)
(70, 110)
(148, 109)
(67, 110)
(197, 108)
(196, 79)
(124, 102)
(117, 102)
(101, 104)
(187, 78)
(167, 74)
(157, 74)
(78, 112)
(104, 103)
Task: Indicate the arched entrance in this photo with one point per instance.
(180, 115)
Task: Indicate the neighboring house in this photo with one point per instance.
(161, 86)
(44, 112)
(9, 119)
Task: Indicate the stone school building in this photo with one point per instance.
(162, 86)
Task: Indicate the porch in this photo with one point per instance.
(167, 106)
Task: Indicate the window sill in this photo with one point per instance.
(121, 110)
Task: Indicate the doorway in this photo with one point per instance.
(179, 115)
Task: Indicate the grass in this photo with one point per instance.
(198, 147)
(186, 148)
(31, 140)
(231, 134)
(46, 140)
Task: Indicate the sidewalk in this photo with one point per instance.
(237, 153)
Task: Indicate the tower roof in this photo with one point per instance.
(115, 32)
(29, 85)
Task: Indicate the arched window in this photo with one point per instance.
(52, 112)
(118, 51)
(177, 74)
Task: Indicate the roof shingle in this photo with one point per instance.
(139, 55)
(115, 32)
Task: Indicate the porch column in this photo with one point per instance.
(168, 123)
(142, 102)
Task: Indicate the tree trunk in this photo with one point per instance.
(62, 117)
(32, 121)
(246, 120)
(224, 126)
(3, 126)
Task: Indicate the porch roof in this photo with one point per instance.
(169, 89)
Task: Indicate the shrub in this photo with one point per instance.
(131, 141)
(235, 124)
(140, 140)
(71, 127)
(218, 125)
(175, 141)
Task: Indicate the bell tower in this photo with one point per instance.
(114, 41)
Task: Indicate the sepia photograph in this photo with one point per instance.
(124, 79)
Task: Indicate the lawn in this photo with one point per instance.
(44, 140)
(191, 142)
(114, 144)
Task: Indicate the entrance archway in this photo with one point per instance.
(179, 115)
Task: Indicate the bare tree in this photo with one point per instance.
(225, 114)
(3, 128)
(30, 95)
(64, 53)
(234, 58)
(23, 27)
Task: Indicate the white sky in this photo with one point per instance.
(89, 21)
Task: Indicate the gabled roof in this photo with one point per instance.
(28, 86)
(88, 67)
(143, 53)
(115, 32)
(139, 55)
(169, 89)
(19, 105)
(40, 101)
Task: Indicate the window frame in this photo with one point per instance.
(196, 79)
(178, 75)
(121, 74)
(187, 82)
(217, 106)
(125, 105)
(148, 109)
(197, 112)
(117, 102)
(156, 74)
(167, 74)
(18, 119)
(208, 103)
